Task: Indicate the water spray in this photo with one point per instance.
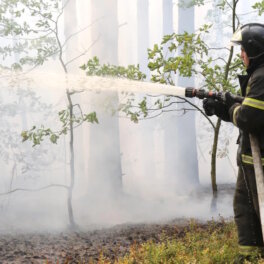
(124, 85)
(76, 82)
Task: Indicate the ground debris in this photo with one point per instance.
(82, 247)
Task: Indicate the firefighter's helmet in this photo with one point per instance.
(251, 38)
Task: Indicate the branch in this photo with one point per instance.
(36, 65)
(219, 58)
(231, 7)
(17, 39)
(201, 151)
(34, 10)
(184, 110)
(76, 91)
(35, 190)
(80, 109)
(248, 13)
(60, 46)
(62, 10)
(195, 106)
(82, 54)
(157, 109)
(81, 30)
(234, 15)
(161, 112)
(236, 65)
(186, 101)
(123, 24)
(220, 48)
(212, 84)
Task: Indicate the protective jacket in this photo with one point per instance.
(249, 116)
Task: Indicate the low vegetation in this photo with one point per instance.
(211, 243)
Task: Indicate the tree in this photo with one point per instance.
(194, 57)
(19, 162)
(146, 138)
(143, 33)
(179, 128)
(185, 125)
(191, 45)
(36, 42)
(104, 165)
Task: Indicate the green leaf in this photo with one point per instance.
(259, 6)
(24, 135)
(92, 118)
(54, 138)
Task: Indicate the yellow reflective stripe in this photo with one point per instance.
(247, 159)
(234, 114)
(248, 250)
(248, 89)
(259, 104)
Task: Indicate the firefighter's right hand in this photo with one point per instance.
(209, 106)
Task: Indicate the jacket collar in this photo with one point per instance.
(243, 81)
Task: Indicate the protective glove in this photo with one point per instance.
(209, 106)
(214, 107)
(229, 100)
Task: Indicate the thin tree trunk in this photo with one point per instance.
(70, 210)
(218, 124)
(213, 156)
(70, 23)
(213, 164)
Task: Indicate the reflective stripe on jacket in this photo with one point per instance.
(249, 116)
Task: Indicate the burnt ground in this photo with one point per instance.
(77, 247)
(83, 247)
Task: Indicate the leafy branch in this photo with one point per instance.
(259, 7)
(37, 135)
(93, 67)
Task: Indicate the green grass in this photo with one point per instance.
(213, 243)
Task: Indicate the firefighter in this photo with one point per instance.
(249, 118)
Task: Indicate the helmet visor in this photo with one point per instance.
(237, 37)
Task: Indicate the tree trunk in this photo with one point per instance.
(70, 27)
(167, 6)
(185, 152)
(145, 128)
(143, 34)
(213, 157)
(104, 168)
(218, 124)
(72, 168)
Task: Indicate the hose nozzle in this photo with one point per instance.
(201, 94)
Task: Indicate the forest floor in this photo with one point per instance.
(85, 247)
(89, 246)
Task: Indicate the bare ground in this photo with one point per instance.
(82, 247)
(86, 247)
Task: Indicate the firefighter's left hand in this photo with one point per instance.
(214, 107)
(229, 100)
